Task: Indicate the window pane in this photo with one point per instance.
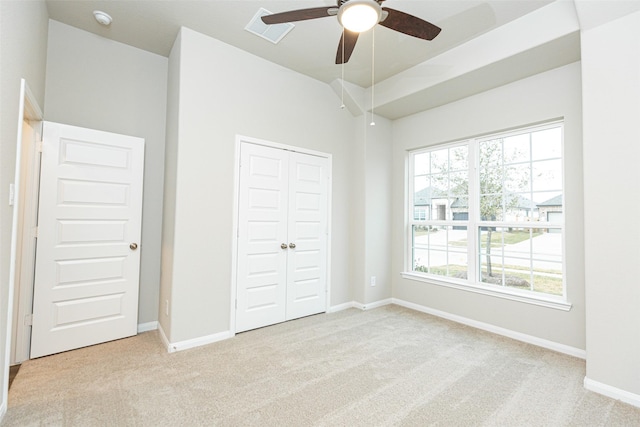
(547, 261)
(440, 250)
(422, 196)
(440, 185)
(458, 159)
(516, 178)
(421, 164)
(491, 178)
(459, 183)
(490, 259)
(546, 144)
(490, 153)
(437, 190)
(518, 207)
(547, 175)
(516, 149)
(440, 161)
(522, 258)
(491, 207)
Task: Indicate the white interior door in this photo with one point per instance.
(89, 225)
(282, 236)
(262, 219)
(307, 255)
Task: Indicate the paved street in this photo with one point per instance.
(546, 250)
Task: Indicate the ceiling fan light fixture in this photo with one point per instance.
(359, 15)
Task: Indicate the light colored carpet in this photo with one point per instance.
(388, 366)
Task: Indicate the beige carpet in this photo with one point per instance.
(389, 366)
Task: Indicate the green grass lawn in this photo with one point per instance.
(542, 284)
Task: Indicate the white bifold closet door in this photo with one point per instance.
(282, 236)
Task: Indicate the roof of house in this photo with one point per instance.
(554, 201)
(460, 203)
(423, 197)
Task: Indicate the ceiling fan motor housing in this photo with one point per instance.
(359, 15)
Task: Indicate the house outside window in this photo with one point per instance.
(496, 212)
(420, 213)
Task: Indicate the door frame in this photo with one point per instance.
(240, 140)
(29, 113)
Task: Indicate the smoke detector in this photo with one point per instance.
(103, 18)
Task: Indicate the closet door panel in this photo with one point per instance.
(262, 220)
(307, 232)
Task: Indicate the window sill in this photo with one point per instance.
(556, 303)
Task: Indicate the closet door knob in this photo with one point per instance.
(292, 245)
(283, 246)
(133, 246)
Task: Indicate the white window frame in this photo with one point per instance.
(474, 223)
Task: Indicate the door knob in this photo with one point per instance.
(283, 246)
(133, 246)
(292, 245)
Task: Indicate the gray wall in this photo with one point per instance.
(611, 76)
(223, 92)
(170, 185)
(100, 84)
(551, 95)
(23, 48)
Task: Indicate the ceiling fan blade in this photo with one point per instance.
(409, 24)
(349, 38)
(297, 15)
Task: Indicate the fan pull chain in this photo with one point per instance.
(342, 82)
(373, 67)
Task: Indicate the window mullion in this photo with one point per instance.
(473, 189)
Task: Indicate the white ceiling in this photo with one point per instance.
(310, 48)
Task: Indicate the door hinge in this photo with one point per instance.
(28, 320)
(12, 194)
(35, 232)
(39, 145)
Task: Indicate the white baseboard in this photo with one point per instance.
(530, 339)
(164, 338)
(359, 305)
(612, 392)
(340, 307)
(148, 326)
(374, 304)
(172, 347)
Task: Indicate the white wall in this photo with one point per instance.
(550, 95)
(611, 92)
(223, 92)
(170, 186)
(97, 83)
(377, 212)
(23, 48)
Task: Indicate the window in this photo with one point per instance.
(493, 212)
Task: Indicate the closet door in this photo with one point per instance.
(262, 237)
(307, 256)
(282, 236)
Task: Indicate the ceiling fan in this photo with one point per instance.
(357, 16)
